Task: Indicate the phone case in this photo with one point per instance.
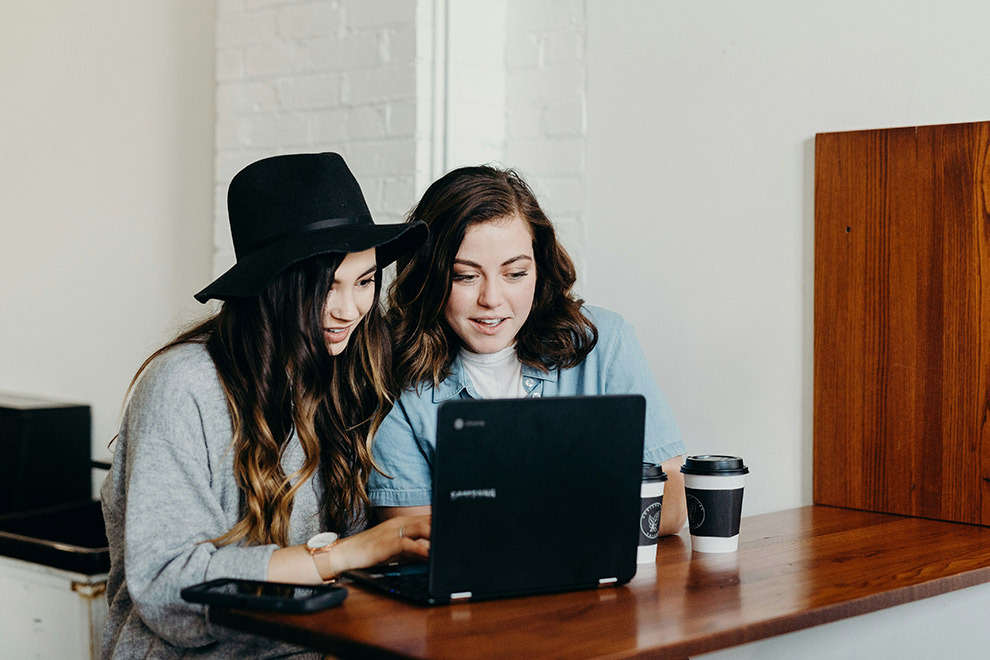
(266, 596)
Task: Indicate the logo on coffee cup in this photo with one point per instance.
(649, 521)
(696, 511)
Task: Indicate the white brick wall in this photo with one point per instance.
(322, 75)
(546, 100)
(406, 90)
(516, 96)
(476, 82)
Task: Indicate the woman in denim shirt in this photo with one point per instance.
(485, 310)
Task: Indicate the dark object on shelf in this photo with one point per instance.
(68, 536)
(44, 453)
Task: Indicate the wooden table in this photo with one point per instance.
(794, 569)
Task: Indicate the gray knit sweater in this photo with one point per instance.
(172, 487)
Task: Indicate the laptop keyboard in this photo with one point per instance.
(415, 584)
(411, 580)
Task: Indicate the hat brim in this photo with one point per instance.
(252, 274)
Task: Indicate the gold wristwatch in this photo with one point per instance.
(319, 547)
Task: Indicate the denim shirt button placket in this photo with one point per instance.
(534, 388)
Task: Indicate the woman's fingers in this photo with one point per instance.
(415, 548)
(414, 527)
(404, 537)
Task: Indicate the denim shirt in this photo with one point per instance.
(405, 443)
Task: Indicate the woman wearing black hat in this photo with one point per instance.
(487, 311)
(245, 446)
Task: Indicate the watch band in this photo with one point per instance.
(321, 557)
(319, 547)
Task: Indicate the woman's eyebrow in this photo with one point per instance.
(471, 264)
(520, 257)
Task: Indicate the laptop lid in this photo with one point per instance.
(535, 495)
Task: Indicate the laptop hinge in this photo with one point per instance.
(604, 581)
(460, 595)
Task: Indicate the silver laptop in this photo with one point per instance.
(529, 496)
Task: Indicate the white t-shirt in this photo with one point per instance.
(495, 375)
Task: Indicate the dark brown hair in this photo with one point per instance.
(556, 334)
(278, 377)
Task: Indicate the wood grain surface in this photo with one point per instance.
(794, 569)
(902, 321)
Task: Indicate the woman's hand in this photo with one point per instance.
(401, 538)
(396, 539)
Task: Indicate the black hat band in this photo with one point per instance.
(302, 229)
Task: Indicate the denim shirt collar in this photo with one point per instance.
(457, 381)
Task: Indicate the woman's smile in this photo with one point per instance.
(489, 326)
(336, 335)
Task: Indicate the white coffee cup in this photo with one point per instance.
(651, 502)
(713, 488)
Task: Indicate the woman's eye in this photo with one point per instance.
(518, 275)
(366, 282)
(464, 277)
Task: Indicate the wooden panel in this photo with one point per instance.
(901, 321)
(794, 569)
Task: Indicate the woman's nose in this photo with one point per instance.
(490, 294)
(342, 305)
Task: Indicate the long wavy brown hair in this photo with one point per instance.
(279, 377)
(556, 334)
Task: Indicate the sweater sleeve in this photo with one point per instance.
(177, 498)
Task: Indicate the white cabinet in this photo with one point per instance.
(49, 613)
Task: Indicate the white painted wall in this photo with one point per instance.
(701, 125)
(106, 195)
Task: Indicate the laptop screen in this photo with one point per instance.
(536, 495)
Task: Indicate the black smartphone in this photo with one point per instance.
(267, 596)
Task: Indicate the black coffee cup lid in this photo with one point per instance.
(652, 472)
(714, 464)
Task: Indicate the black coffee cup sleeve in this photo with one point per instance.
(703, 511)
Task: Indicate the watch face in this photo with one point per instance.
(321, 540)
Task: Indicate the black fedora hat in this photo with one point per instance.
(284, 209)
